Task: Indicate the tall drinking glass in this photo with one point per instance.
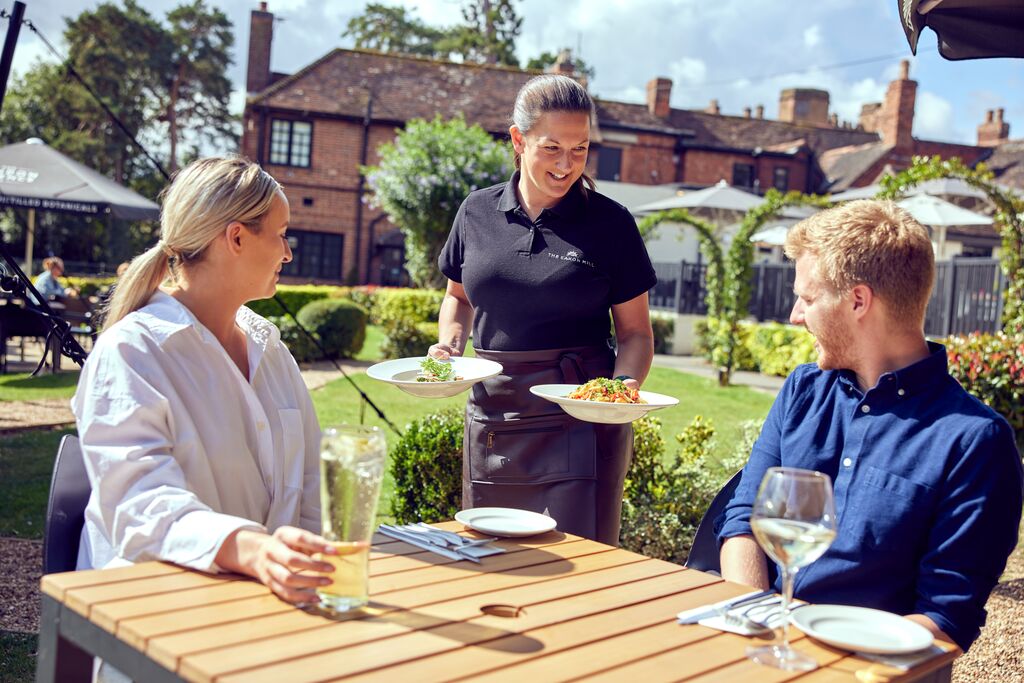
(794, 521)
(351, 469)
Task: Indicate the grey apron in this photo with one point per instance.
(524, 452)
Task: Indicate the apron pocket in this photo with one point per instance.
(531, 451)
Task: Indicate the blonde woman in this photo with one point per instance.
(198, 433)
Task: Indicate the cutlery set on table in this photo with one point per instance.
(440, 542)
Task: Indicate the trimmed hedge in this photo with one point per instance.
(408, 318)
(771, 348)
(294, 297)
(88, 286)
(664, 330)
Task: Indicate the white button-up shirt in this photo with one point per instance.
(180, 449)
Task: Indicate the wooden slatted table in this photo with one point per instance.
(555, 607)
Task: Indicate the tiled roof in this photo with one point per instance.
(1007, 163)
(715, 130)
(843, 166)
(404, 87)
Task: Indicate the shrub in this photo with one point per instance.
(296, 340)
(408, 318)
(339, 325)
(777, 348)
(365, 296)
(294, 297)
(664, 503)
(89, 286)
(706, 331)
(991, 367)
(664, 331)
(426, 464)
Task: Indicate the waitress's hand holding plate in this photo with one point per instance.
(598, 411)
(403, 374)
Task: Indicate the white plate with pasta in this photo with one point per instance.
(603, 401)
(429, 378)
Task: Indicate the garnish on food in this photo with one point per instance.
(433, 370)
(604, 390)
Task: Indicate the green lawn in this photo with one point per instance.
(22, 387)
(26, 462)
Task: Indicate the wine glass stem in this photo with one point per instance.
(787, 597)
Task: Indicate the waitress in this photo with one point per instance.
(535, 265)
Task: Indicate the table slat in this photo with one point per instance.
(56, 585)
(83, 600)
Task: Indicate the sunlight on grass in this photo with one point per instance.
(23, 387)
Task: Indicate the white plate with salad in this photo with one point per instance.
(431, 378)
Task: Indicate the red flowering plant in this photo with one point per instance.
(991, 367)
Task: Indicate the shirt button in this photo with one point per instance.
(865, 408)
(901, 392)
(847, 462)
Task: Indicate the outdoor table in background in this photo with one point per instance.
(554, 607)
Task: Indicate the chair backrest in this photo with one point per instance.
(704, 553)
(65, 512)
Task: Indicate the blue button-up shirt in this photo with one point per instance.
(928, 489)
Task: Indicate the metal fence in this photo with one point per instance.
(967, 297)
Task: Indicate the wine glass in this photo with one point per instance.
(794, 521)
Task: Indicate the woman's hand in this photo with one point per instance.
(276, 560)
(442, 351)
(631, 383)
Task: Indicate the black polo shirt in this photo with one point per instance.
(549, 283)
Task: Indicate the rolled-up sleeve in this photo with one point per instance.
(141, 500)
(975, 531)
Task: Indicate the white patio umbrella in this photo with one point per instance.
(775, 235)
(940, 215)
(939, 187)
(721, 197)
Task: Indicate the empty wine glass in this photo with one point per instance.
(794, 521)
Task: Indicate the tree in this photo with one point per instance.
(422, 178)
(546, 59)
(487, 35)
(197, 93)
(393, 29)
(1009, 220)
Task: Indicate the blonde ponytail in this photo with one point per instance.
(138, 284)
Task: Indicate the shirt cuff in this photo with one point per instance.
(196, 538)
(960, 635)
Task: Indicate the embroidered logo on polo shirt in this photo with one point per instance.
(574, 256)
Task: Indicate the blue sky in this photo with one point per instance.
(730, 50)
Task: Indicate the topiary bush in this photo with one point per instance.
(339, 325)
(991, 367)
(297, 342)
(426, 464)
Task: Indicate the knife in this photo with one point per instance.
(424, 542)
(720, 608)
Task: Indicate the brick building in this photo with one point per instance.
(313, 130)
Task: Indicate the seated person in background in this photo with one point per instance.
(927, 479)
(48, 284)
(199, 436)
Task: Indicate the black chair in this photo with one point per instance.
(704, 553)
(65, 512)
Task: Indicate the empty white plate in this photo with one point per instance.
(402, 373)
(506, 521)
(597, 411)
(862, 629)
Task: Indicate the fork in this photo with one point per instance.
(746, 623)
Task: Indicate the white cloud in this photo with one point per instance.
(688, 70)
(933, 118)
(812, 36)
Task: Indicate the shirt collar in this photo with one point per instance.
(168, 316)
(570, 204)
(912, 379)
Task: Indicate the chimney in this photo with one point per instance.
(564, 64)
(994, 131)
(746, 112)
(833, 120)
(658, 92)
(759, 112)
(804, 105)
(896, 119)
(869, 116)
(261, 35)
(713, 108)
